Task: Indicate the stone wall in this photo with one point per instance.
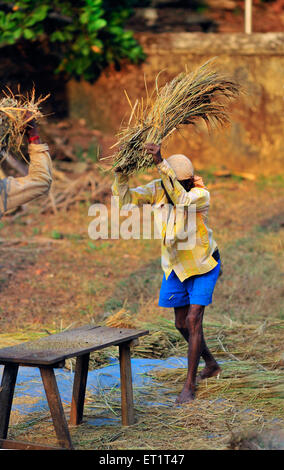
(254, 142)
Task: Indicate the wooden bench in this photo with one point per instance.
(51, 352)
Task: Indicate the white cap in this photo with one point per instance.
(182, 166)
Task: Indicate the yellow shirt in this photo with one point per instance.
(17, 191)
(185, 262)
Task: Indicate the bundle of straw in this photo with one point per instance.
(186, 99)
(121, 319)
(16, 111)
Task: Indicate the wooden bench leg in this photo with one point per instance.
(56, 408)
(127, 408)
(6, 396)
(79, 389)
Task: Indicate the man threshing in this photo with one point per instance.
(189, 275)
(191, 272)
(15, 122)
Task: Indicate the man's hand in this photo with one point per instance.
(155, 151)
(31, 127)
(118, 170)
(29, 122)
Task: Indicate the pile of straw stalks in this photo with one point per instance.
(187, 99)
(162, 341)
(16, 111)
(226, 342)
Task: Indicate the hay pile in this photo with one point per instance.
(186, 99)
(162, 341)
(16, 111)
(121, 319)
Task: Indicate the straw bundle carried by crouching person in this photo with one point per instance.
(190, 257)
(18, 117)
(16, 113)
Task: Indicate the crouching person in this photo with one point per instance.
(15, 192)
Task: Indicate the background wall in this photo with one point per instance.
(254, 141)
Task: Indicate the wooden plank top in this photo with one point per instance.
(58, 347)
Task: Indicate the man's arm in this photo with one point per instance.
(138, 196)
(198, 196)
(17, 191)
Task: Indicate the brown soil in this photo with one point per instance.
(53, 274)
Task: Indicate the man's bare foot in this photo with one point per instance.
(186, 396)
(208, 371)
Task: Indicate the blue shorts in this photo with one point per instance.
(197, 290)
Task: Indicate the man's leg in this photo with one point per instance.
(194, 325)
(188, 321)
(212, 367)
(180, 320)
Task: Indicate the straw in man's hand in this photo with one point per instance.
(188, 98)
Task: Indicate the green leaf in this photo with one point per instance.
(85, 50)
(84, 18)
(116, 30)
(39, 14)
(97, 24)
(61, 36)
(94, 3)
(17, 33)
(28, 34)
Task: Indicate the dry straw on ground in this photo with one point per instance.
(228, 413)
(187, 99)
(16, 111)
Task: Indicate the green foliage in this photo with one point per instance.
(56, 235)
(272, 180)
(85, 36)
(101, 246)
